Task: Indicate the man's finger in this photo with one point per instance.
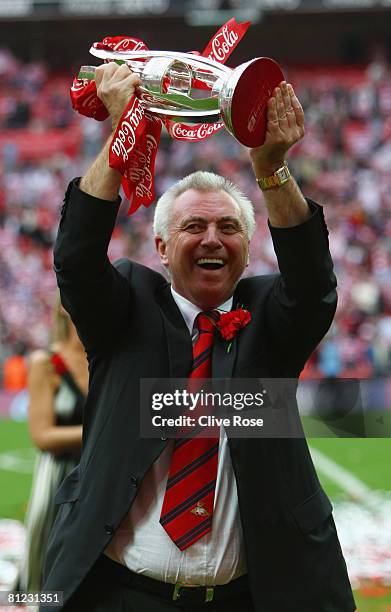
(298, 110)
(289, 111)
(133, 79)
(122, 71)
(281, 113)
(111, 70)
(272, 117)
(106, 69)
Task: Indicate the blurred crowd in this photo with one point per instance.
(344, 163)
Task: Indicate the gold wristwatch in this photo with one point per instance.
(277, 179)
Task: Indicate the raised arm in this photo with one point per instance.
(115, 85)
(95, 294)
(286, 205)
(303, 303)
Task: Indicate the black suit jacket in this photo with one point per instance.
(132, 329)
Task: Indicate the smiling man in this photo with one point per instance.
(206, 247)
(218, 524)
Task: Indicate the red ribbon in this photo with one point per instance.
(122, 43)
(58, 363)
(136, 139)
(192, 131)
(85, 101)
(133, 152)
(225, 40)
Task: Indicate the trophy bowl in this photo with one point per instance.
(190, 88)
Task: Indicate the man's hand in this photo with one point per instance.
(285, 126)
(286, 205)
(115, 85)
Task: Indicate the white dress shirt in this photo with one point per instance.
(141, 543)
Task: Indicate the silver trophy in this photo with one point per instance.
(189, 88)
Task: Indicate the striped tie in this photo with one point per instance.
(188, 501)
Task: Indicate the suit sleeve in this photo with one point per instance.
(302, 304)
(93, 291)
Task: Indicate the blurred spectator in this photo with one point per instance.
(15, 369)
(330, 359)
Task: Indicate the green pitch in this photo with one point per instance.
(367, 459)
(16, 460)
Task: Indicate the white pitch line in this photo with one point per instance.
(19, 460)
(355, 487)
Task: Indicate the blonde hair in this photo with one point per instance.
(61, 322)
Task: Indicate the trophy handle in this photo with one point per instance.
(165, 88)
(166, 85)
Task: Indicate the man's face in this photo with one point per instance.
(207, 250)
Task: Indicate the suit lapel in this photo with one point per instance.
(222, 360)
(224, 355)
(180, 352)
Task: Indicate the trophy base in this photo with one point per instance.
(244, 97)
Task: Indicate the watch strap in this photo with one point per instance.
(277, 179)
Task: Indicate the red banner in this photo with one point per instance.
(133, 153)
(225, 40)
(139, 178)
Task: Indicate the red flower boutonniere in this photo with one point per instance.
(230, 323)
(58, 364)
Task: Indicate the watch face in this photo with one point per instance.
(283, 174)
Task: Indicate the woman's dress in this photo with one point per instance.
(49, 472)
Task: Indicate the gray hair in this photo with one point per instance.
(201, 181)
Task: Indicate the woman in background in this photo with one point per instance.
(57, 386)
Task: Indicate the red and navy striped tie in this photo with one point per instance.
(188, 501)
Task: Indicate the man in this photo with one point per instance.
(271, 545)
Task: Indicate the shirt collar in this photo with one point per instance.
(189, 310)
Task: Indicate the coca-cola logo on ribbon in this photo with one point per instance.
(225, 40)
(140, 173)
(85, 100)
(199, 131)
(124, 139)
(142, 166)
(223, 44)
(79, 84)
(123, 43)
